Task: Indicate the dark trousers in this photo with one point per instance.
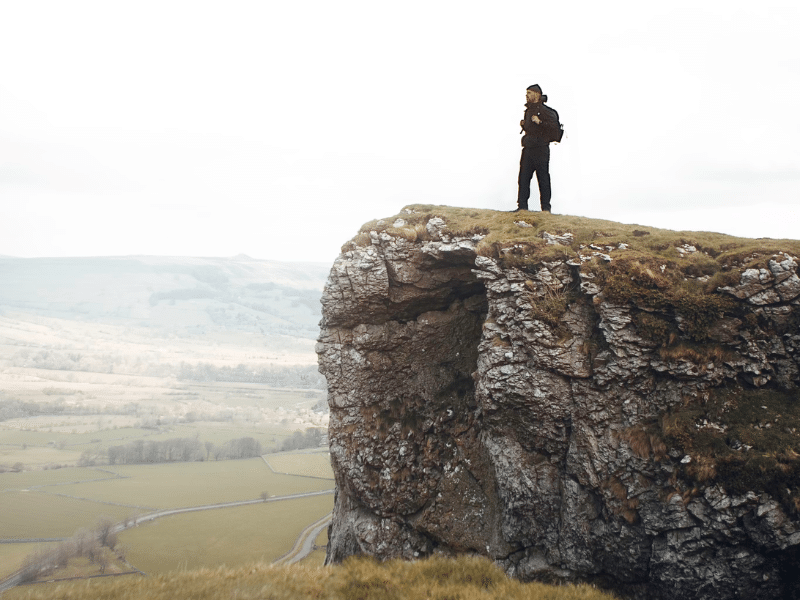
(534, 160)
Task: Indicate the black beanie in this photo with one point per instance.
(535, 88)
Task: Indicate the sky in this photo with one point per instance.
(276, 128)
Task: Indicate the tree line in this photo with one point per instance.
(312, 438)
(304, 377)
(180, 450)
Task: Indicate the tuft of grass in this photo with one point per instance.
(551, 305)
(654, 327)
(742, 439)
(644, 442)
(700, 354)
(436, 578)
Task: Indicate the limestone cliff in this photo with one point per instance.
(576, 399)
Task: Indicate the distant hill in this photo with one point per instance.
(184, 296)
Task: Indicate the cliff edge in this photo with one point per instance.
(576, 399)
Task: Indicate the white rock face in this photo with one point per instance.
(487, 409)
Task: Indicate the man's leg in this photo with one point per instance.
(526, 169)
(543, 178)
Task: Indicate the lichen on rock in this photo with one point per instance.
(576, 399)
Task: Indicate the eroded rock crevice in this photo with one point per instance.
(400, 374)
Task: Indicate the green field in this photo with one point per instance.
(33, 479)
(105, 438)
(175, 485)
(34, 448)
(31, 515)
(17, 437)
(12, 555)
(309, 464)
(36, 456)
(54, 507)
(218, 433)
(230, 536)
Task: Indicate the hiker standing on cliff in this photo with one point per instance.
(540, 126)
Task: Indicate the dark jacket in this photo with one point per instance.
(540, 135)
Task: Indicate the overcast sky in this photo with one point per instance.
(276, 128)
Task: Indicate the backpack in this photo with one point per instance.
(557, 135)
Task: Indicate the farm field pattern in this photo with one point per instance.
(177, 485)
(230, 536)
(103, 353)
(46, 505)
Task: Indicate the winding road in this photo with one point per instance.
(303, 546)
(305, 543)
(176, 511)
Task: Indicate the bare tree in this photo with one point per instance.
(264, 495)
(105, 532)
(103, 559)
(36, 564)
(64, 552)
(83, 541)
(93, 550)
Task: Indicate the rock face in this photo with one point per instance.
(530, 412)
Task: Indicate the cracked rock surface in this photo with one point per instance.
(470, 416)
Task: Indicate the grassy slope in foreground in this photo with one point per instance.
(437, 578)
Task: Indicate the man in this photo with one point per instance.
(541, 127)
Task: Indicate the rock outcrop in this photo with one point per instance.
(575, 409)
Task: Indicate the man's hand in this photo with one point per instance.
(536, 120)
(522, 123)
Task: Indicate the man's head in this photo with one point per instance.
(534, 93)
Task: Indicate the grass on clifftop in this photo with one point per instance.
(715, 251)
(437, 578)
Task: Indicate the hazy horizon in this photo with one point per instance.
(174, 256)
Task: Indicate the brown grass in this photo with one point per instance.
(617, 489)
(621, 505)
(499, 342)
(715, 251)
(644, 441)
(437, 578)
(742, 439)
(702, 468)
(700, 354)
